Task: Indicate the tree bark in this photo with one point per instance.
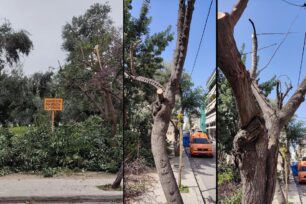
(119, 177)
(256, 144)
(162, 163)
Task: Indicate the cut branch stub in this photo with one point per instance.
(238, 10)
(160, 94)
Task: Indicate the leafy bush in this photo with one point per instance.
(234, 198)
(85, 145)
(228, 173)
(226, 176)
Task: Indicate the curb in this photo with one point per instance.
(56, 199)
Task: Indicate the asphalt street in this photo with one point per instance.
(302, 190)
(204, 169)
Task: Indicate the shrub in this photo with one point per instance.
(235, 198)
(85, 145)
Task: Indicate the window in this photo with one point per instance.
(200, 141)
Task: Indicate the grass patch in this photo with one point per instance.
(19, 131)
(226, 176)
(184, 189)
(108, 187)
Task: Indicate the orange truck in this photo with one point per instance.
(200, 144)
(302, 171)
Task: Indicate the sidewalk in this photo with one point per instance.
(156, 194)
(293, 193)
(17, 188)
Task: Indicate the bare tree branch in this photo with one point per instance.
(264, 105)
(288, 88)
(229, 61)
(294, 102)
(254, 52)
(238, 10)
(151, 82)
(181, 50)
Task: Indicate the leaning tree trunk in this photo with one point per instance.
(162, 163)
(164, 105)
(119, 177)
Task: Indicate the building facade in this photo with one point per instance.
(210, 109)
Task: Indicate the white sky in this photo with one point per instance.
(44, 21)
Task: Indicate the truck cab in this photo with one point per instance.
(302, 170)
(200, 144)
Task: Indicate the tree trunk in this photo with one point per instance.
(119, 177)
(162, 108)
(162, 163)
(256, 144)
(112, 116)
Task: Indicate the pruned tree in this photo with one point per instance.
(256, 144)
(94, 66)
(94, 47)
(164, 104)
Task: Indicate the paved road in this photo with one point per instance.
(302, 190)
(205, 173)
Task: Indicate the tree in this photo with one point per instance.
(256, 144)
(13, 44)
(227, 116)
(94, 49)
(94, 68)
(145, 51)
(164, 104)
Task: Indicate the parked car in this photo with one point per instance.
(302, 171)
(200, 144)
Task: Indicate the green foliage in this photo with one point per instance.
(138, 96)
(86, 145)
(184, 189)
(226, 176)
(234, 198)
(296, 129)
(22, 97)
(81, 81)
(268, 86)
(227, 115)
(19, 131)
(13, 44)
(228, 173)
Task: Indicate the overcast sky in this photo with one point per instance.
(44, 20)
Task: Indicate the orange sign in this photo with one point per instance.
(53, 104)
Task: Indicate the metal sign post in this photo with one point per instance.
(53, 104)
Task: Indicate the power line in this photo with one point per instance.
(301, 60)
(195, 60)
(268, 46)
(276, 33)
(293, 4)
(284, 39)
